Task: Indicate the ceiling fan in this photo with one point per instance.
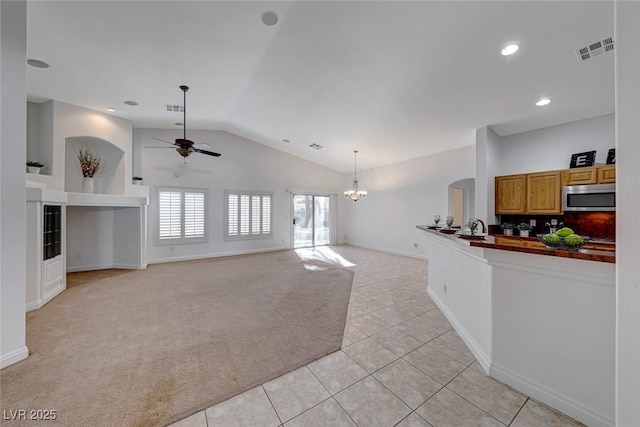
(185, 146)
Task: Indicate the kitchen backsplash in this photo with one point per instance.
(598, 225)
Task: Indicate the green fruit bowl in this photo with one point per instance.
(570, 244)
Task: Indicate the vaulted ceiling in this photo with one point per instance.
(396, 80)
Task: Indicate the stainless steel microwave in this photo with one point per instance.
(589, 198)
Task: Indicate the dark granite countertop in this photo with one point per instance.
(600, 252)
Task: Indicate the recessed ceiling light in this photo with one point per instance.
(178, 124)
(132, 103)
(286, 141)
(543, 101)
(510, 49)
(269, 18)
(111, 110)
(37, 64)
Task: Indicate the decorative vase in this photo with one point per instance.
(137, 182)
(87, 184)
(33, 169)
(524, 233)
(507, 232)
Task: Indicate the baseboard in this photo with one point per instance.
(479, 354)
(14, 357)
(103, 267)
(389, 251)
(34, 305)
(216, 255)
(552, 398)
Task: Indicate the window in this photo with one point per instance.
(248, 215)
(182, 216)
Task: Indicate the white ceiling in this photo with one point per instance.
(395, 80)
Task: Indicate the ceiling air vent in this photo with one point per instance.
(595, 49)
(174, 108)
(315, 146)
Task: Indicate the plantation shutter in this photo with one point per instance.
(247, 215)
(182, 216)
(193, 215)
(233, 211)
(170, 216)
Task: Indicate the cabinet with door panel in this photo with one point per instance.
(606, 174)
(511, 194)
(544, 193)
(580, 176)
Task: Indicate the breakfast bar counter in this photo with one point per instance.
(540, 320)
(601, 252)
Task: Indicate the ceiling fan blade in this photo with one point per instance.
(202, 146)
(210, 153)
(171, 148)
(163, 140)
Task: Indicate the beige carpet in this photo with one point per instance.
(150, 347)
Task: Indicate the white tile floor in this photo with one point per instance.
(401, 364)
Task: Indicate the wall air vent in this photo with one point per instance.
(174, 108)
(315, 146)
(595, 49)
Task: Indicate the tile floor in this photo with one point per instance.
(401, 364)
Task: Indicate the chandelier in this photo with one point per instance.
(355, 193)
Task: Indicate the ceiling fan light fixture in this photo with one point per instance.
(355, 193)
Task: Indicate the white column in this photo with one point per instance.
(627, 39)
(13, 151)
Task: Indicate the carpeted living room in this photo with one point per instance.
(223, 220)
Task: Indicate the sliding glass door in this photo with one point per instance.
(311, 220)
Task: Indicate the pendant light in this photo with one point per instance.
(355, 193)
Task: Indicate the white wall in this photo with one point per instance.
(401, 196)
(628, 198)
(13, 150)
(244, 165)
(551, 148)
(90, 234)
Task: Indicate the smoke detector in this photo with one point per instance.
(595, 49)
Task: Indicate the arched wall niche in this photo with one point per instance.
(110, 178)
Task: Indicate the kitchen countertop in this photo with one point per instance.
(600, 252)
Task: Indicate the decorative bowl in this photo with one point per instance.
(561, 243)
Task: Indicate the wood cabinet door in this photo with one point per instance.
(606, 174)
(511, 194)
(544, 193)
(579, 176)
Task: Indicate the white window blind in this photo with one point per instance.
(181, 216)
(248, 215)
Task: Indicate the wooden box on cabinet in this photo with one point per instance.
(544, 193)
(606, 174)
(580, 176)
(511, 194)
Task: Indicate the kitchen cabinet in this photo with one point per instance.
(606, 174)
(580, 176)
(533, 193)
(544, 191)
(511, 194)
